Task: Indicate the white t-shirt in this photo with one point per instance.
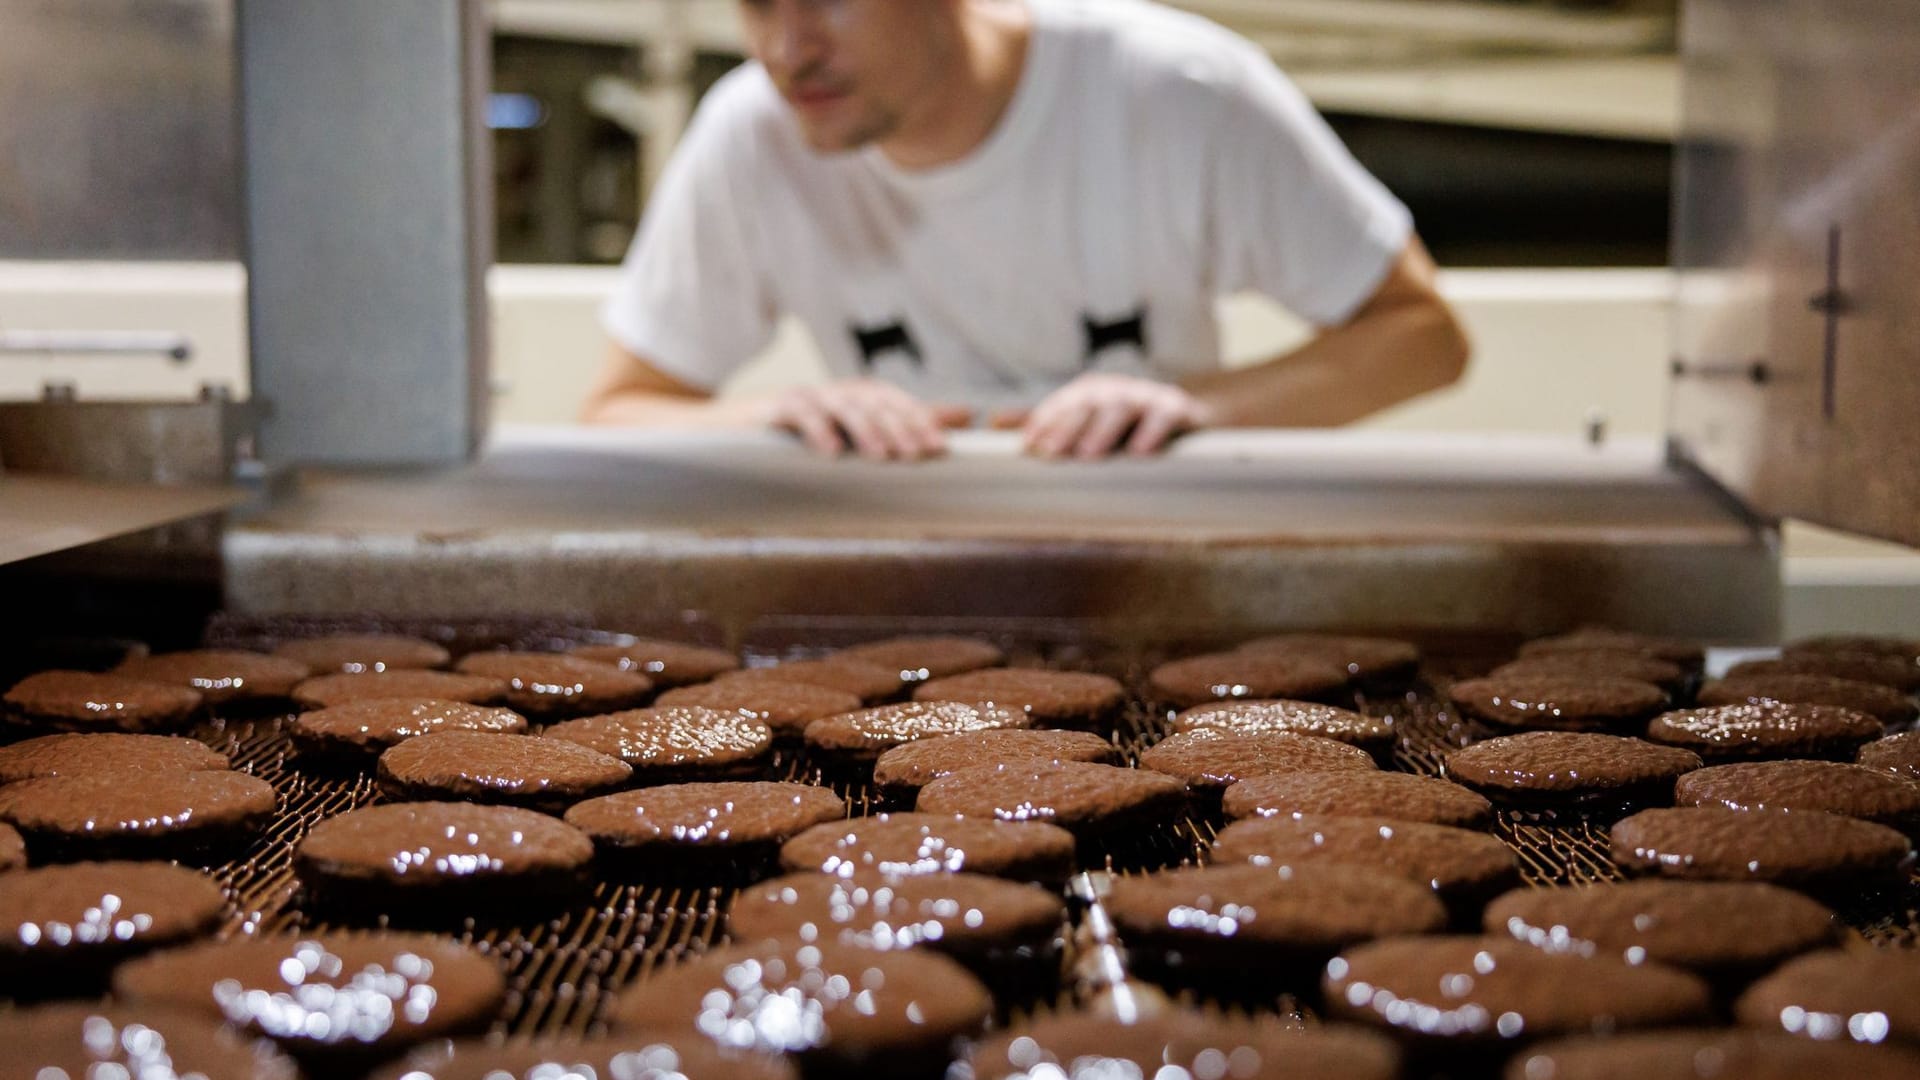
(1149, 162)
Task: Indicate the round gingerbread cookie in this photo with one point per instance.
(923, 657)
(730, 830)
(517, 770)
(328, 691)
(356, 653)
(551, 686)
(1761, 731)
(1197, 680)
(105, 752)
(667, 663)
(674, 743)
(1358, 794)
(360, 729)
(89, 702)
(1072, 699)
(222, 677)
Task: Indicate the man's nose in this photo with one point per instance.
(792, 36)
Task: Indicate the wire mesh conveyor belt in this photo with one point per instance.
(563, 970)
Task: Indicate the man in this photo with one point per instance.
(1022, 209)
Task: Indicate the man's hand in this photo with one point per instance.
(1100, 414)
(879, 421)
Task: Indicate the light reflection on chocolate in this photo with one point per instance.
(706, 814)
(98, 1042)
(956, 913)
(433, 841)
(332, 990)
(1868, 996)
(933, 844)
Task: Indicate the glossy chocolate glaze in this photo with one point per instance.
(552, 685)
(673, 741)
(914, 765)
(718, 815)
(1889, 706)
(1363, 658)
(368, 727)
(1264, 912)
(1865, 995)
(1557, 703)
(326, 992)
(1084, 1046)
(613, 1057)
(866, 734)
(1359, 794)
(920, 658)
(105, 752)
(1799, 850)
(85, 701)
(1197, 680)
(356, 653)
(1480, 989)
(868, 682)
(89, 915)
(933, 844)
(1765, 730)
(1710, 1054)
(1897, 754)
(221, 676)
(1559, 766)
(1210, 759)
(519, 770)
(124, 814)
(963, 915)
(1075, 795)
(786, 707)
(1854, 791)
(1460, 864)
(1078, 699)
(83, 1039)
(667, 663)
(1374, 734)
(1684, 924)
(328, 691)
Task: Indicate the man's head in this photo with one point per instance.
(854, 71)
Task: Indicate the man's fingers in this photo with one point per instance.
(815, 428)
(1059, 430)
(1105, 430)
(1155, 429)
(906, 434)
(1009, 419)
(862, 430)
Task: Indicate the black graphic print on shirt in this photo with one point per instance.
(1130, 331)
(875, 342)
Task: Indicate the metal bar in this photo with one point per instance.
(39, 343)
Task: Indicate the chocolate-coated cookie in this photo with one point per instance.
(361, 729)
(62, 928)
(328, 691)
(517, 770)
(1598, 663)
(857, 1011)
(1897, 754)
(1709, 1054)
(105, 752)
(85, 701)
(1207, 760)
(921, 658)
(640, 1056)
(1374, 734)
(356, 653)
(1833, 787)
(379, 992)
(1688, 654)
(1558, 703)
(1197, 680)
(703, 829)
(1894, 672)
(674, 743)
(1087, 1046)
(868, 682)
(221, 676)
(786, 707)
(1091, 801)
(1766, 730)
(1865, 644)
(905, 769)
(1466, 868)
(13, 849)
(1070, 699)
(1560, 767)
(1359, 794)
(1683, 924)
(440, 860)
(864, 735)
(1889, 706)
(1864, 995)
(667, 663)
(1490, 990)
(934, 844)
(989, 924)
(1365, 659)
(154, 815)
(1822, 853)
(87, 1039)
(549, 685)
(1260, 928)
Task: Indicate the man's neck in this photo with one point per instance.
(968, 100)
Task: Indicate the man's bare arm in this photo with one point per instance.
(1405, 341)
(633, 392)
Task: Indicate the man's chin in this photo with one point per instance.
(828, 141)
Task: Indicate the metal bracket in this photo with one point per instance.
(1832, 303)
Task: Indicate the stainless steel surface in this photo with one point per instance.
(165, 443)
(369, 227)
(1242, 530)
(117, 137)
(40, 515)
(1797, 209)
(164, 344)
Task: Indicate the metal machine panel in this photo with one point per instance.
(368, 227)
(117, 138)
(1797, 367)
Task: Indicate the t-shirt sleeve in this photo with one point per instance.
(691, 298)
(1292, 214)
